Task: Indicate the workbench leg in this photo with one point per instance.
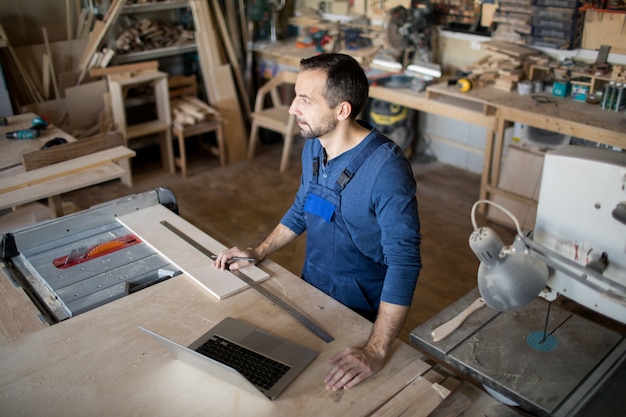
(56, 206)
(487, 161)
(167, 151)
(494, 177)
(126, 179)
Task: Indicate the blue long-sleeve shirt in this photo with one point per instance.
(379, 207)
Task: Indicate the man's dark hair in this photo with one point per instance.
(346, 80)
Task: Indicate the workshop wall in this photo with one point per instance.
(23, 20)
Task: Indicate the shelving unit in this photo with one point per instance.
(153, 10)
(155, 54)
(595, 82)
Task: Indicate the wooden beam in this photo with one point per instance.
(53, 75)
(232, 57)
(218, 82)
(71, 150)
(117, 69)
(98, 34)
(71, 167)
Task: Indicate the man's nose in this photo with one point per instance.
(293, 108)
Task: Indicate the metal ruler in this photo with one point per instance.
(318, 331)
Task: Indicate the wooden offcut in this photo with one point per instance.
(127, 68)
(71, 150)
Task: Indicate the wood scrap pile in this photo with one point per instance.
(221, 34)
(137, 35)
(505, 66)
(190, 110)
(618, 73)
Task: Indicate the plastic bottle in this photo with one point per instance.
(620, 94)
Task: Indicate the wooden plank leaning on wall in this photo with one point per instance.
(218, 82)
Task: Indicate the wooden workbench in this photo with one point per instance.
(101, 363)
(18, 186)
(486, 107)
(562, 115)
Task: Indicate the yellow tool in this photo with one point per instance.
(464, 85)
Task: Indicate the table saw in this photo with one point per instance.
(81, 261)
(581, 372)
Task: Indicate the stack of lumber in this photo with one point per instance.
(504, 67)
(145, 34)
(190, 110)
(618, 73)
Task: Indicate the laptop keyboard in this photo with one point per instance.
(258, 369)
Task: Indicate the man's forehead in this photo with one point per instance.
(311, 82)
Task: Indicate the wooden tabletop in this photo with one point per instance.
(19, 185)
(545, 111)
(100, 363)
(11, 150)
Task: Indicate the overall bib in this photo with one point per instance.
(334, 264)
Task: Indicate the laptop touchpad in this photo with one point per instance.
(260, 342)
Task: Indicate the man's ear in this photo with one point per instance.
(343, 110)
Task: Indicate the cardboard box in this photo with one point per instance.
(521, 175)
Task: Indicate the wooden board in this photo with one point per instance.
(65, 169)
(220, 284)
(228, 106)
(109, 364)
(131, 68)
(509, 49)
(54, 110)
(54, 186)
(71, 150)
(85, 103)
(520, 176)
(219, 83)
(419, 398)
(604, 28)
(65, 56)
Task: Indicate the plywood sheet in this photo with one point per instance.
(85, 103)
(147, 225)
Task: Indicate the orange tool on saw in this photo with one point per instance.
(85, 254)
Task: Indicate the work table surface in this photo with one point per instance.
(13, 149)
(100, 363)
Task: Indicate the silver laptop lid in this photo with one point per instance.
(295, 356)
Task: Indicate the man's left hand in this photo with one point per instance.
(352, 366)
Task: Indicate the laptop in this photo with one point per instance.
(235, 352)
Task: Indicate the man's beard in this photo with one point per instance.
(327, 125)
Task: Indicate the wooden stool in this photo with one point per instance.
(118, 87)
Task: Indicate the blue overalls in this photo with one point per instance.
(334, 264)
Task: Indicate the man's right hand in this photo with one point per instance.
(234, 258)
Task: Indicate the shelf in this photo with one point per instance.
(154, 6)
(596, 82)
(155, 53)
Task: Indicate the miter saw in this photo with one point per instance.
(408, 33)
